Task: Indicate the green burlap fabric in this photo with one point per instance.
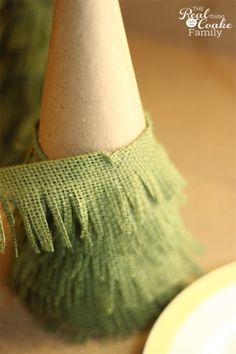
(102, 248)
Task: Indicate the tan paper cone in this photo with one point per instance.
(91, 100)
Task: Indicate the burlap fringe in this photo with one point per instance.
(49, 204)
(113, 249)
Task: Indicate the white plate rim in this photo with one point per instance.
(191, 297)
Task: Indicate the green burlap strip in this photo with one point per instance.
(105, 248)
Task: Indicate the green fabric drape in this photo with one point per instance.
(24, 37)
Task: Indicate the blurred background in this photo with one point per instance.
(189, 86)
(159, 19)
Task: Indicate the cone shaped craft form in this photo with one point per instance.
(101, 246)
